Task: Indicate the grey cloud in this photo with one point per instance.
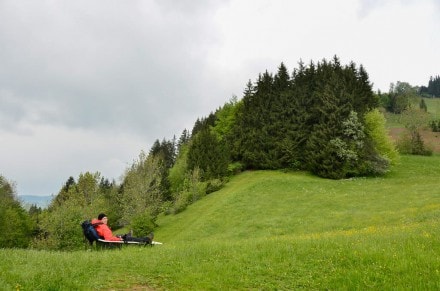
(91, 83)
(83, 64)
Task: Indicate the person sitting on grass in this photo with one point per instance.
(105, 232)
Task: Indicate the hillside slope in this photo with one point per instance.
(264, 204)
(270, 230)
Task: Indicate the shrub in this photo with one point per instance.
(193, 190)
(61, 229)
(413, 144)
(181, 202)
(235, 168)
(382, 143)
(214, 185)
(435, 125)
(144, 223)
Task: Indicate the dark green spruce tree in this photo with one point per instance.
(166, 152)
(209, 154)
(330, 105)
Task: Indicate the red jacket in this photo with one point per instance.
(104, 231)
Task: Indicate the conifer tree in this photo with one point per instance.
(165, 152)
(209, 154)
(183, 140)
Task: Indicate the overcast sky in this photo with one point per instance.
(87, 85)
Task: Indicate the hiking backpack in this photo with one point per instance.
(89, 231)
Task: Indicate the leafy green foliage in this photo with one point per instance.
(412, 142)
(214, 185)
(400, 97)
(178, 171)
(375, 129)
(193, 189)
(15, 224)
(60, 223)
(143, 223)
(60, 227)
(142, 188)
(225, 119)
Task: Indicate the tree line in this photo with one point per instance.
(323, 118)
(433, 89)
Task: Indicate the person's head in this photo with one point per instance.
(103, 217)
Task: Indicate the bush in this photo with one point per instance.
(181, 202)
(235, 168)
(374, 165)
(214, 185)
(61, 229)
(413, 144)
(435, 125)
(382, 143)
(193, 190)
(167, 207)
(143, 224)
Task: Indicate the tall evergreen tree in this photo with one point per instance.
(434, 86)
(203, 123)
(209, 154)
(165, 152)
(183, 140)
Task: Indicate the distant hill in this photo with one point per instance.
(40, 201)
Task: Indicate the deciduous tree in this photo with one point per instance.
(15, 224)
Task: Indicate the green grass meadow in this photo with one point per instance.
(433, 105)
(270, 230)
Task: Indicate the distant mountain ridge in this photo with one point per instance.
(39, 201)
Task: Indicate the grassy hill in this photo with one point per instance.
(433, 105)
(270, 230)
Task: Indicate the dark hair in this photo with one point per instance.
(101, 216)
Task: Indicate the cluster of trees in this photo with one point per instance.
(411, 142)
(317, 120)
(433, 89)
(136, 202)
(321, 118)
(400, 97)
(406, 101)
